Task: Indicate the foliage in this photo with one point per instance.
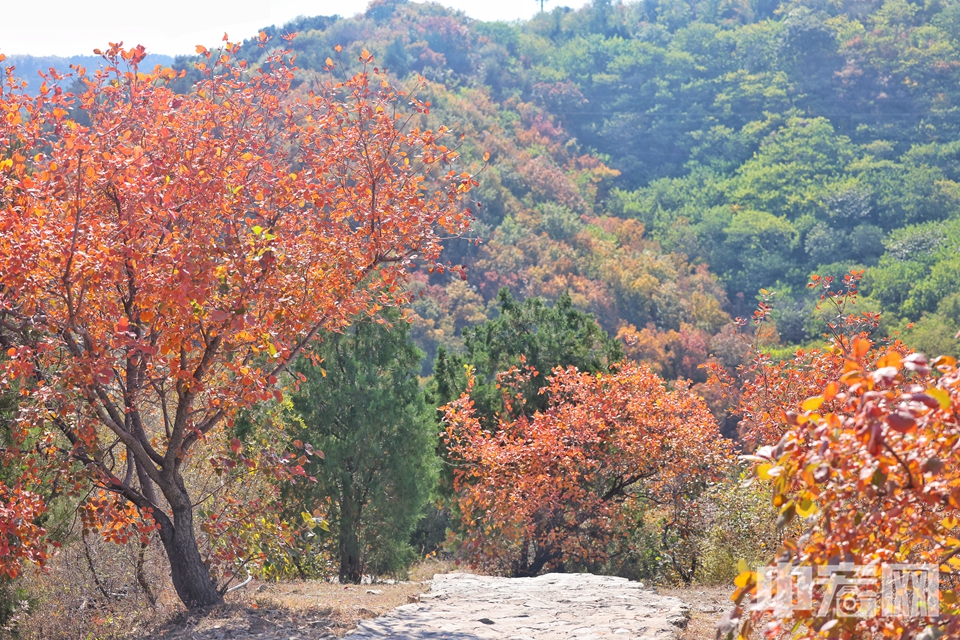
(163, 263)
(768, 140)
(527, 333)
(917, 274)
(551, 489)
(869, 463)
(361, 405)
(31, 67)
(543, 219)
(861, 457)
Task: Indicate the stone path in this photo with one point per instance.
(572, 606)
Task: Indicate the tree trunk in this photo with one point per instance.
(191, 577)
(528, 567)
(350, 568)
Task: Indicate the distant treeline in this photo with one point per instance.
(30, 67)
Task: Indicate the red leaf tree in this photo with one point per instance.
(860, 448)
(164, 256)
(550, 490)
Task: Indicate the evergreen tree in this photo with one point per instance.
(527, 333)
(362, 406)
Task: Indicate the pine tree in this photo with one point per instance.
(528, 333)
(363, 407)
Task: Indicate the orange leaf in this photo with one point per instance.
(860, 347)
(890, 359)
(830, 391)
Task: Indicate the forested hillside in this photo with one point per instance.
(663, 161)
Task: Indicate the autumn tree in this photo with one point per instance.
(858, 447)
(363, 407)
(867, 468)
(164, 256)
(549, 490)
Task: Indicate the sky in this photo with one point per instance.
(172, 27)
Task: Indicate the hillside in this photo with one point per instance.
(633, 142)
(664, 161)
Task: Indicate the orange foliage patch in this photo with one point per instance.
(551, 490)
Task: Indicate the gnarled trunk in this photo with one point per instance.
(191, 577)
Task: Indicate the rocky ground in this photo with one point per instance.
(460, 606)
(560, 605)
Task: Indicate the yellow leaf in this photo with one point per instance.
(941, 396)
(806, 507)
(812, 404)
(744, 579)
(742, 566)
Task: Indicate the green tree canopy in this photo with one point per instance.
(528, 333)
(362, 406)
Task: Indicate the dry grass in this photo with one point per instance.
(294, 609)
(67, 602)
(299, 609)
(427, 568)
(347, 604)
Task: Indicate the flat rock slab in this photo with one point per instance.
(578, 606)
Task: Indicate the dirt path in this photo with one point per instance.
(573, 605)
(457, 606)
